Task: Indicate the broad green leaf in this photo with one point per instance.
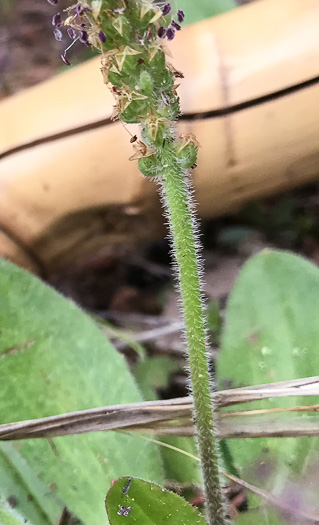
(56, 360)
(113, 332)
(20, 484)
(154, 373)
(271, 335)
(196, 11)
(9, 516)
(177, 465)
(145, 503)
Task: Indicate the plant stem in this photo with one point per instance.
(177, 200)
(130, 37)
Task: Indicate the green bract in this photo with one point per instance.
(149, 167)
(188, 156)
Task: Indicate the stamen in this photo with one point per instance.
(102, 37)
(170, 33)
(180, 16)
(166, 9)
(161, 32)
(57, 20)
(176, 26)
(58, 34)
(65, 60)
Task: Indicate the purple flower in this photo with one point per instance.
(176, 26)
(57, 20)
(58, 34)
(166, 9)
(161, 32)
(180, 16)
(80, 9)
(170, 33)
(83, 37)
(149, 34)
(102, 37)
(65, 60)
(53, 2)
(71, 33)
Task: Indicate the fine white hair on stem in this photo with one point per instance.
(205, 430)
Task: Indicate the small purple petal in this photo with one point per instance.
(83, 37)
(57, 20)
(118, 11)
(65, 60)
(71, 33)
(161, 32)
(53, 2)
(58, 35)
(176, 26)
(102, 37)
(149, 34)
(166, 9)
(180, 16)
(170, 33)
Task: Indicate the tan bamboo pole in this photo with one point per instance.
(76, 194)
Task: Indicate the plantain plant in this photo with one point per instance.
(132, 37)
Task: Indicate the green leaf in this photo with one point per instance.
(154, 373)
(261, 515)
(9, 516)
(271, 335)
(179, 467)
(148, 504)
(56, 360)
(112, 331)
(196, 11)
(20, 484)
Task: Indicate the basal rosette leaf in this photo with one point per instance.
(56, 360)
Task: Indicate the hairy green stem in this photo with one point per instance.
(179, 211)
(130, 35)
